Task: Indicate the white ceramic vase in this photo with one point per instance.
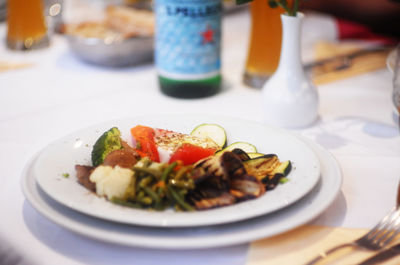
(289, 99)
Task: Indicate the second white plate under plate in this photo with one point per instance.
(299, 213)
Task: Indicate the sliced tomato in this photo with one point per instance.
(189, 153)
(144, 136)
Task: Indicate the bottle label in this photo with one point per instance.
(188, 35)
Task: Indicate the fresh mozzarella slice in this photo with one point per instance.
(167, 142)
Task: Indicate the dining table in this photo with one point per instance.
(51, 93)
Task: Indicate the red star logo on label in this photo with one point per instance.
(208, 35)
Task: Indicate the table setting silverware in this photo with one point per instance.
(382, 256)
(387, 253)
(376, 239)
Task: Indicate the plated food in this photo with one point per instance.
(163, 169)
(58, 159)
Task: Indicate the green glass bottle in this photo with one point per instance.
(187, 48)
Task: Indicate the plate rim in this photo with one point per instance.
(171, 221)
(252, 233)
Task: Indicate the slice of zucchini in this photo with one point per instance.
(242, 154)
(262, 167)
(213, 131)
(280, 172)
(255, 155)
(248, 148)
(284, 168)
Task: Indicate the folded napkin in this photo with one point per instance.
(304, 243)
(359, 65)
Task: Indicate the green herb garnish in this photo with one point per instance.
(283, 180)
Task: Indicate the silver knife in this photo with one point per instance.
(382, 256)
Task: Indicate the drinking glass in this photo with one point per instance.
(265, 43)
(26, 27)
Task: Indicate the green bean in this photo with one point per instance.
(181, 172)
(168, 170)
(148, 171)
(146, 200)
(179, 200)
(140, 195)
(178, 208)
(125, 203)
(158, 187)
(152, 194)
(183, 183)
(145, 181)
(182, 192)
(146, 161)
(163, 206)
(160, 191)
(130, 192)
(157, 199)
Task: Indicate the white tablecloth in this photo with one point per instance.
(60, 94)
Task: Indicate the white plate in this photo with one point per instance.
(299, 213)
(61, 156)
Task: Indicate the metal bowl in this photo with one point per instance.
(112, 53)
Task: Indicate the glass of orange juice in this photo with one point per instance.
(265, 43)
(26, 27)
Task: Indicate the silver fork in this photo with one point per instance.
(377, 238)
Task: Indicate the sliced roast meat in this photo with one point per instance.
(273, 181)
(224, 199)
(210, 173)
(242, 154)
(232, 165)
(123, 158)
(246, 187)
(83, 175)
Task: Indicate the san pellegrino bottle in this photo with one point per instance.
(187, 47)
